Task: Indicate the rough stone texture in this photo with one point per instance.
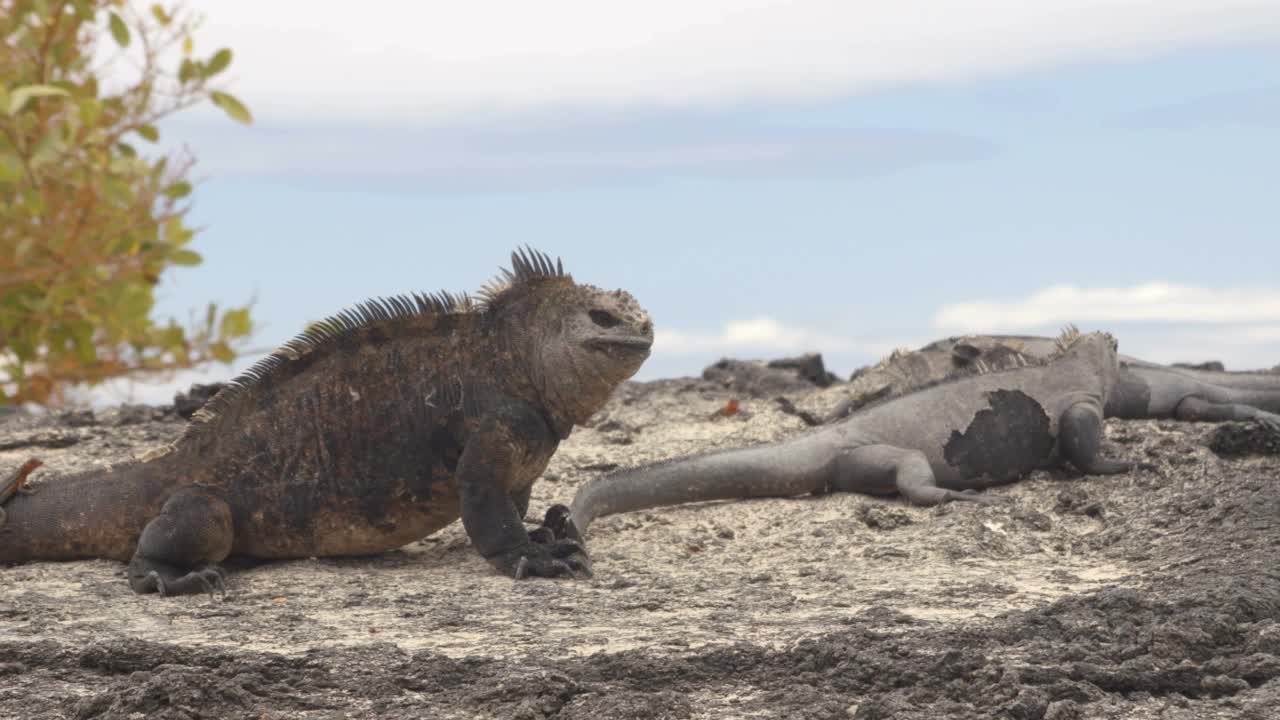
(767, 379)
(1136, 597)
(1244, 438)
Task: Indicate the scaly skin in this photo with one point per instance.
(937, 444)
(376, 428)
(1144, 390)
(12, 485)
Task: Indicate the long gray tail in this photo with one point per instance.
(782, 469)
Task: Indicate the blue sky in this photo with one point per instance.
(1127, 181)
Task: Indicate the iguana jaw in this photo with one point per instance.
(629, 343)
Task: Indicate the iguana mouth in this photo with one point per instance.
(621, 342)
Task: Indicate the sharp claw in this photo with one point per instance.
(522, 568)
(159, 581)
(542, 536)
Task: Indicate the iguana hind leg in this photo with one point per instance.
(1196, 409)
(180, 548)
(1080, 440)
(878, 467)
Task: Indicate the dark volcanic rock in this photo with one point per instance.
(809, 367)
(1234, 439)
(1214, 365)
(185, 404)
(760, 379)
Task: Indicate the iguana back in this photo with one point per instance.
(1143, 389)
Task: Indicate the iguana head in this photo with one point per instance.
(1098, 349)
(581, 341)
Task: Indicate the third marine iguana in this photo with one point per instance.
(1143, 389)
(931, 445)
(370, 430)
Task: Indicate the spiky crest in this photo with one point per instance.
(527, 265)
(1069, 335)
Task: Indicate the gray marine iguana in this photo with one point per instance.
(371, 429)
(1144, 390)
(934, 444)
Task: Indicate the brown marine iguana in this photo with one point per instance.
(371, 429)
(1144, 390)
(932, 445)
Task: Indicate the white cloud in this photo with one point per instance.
(580, 152)
(1151, 302)
(434, 59)
(759, 334)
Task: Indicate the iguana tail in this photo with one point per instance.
(92, 514)
(781, 469)
(1258, 388)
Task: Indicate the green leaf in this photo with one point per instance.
(175, 233)
(119, 30)
(222, 352)
(19, 96)
(86, 353)
(90, 111)
(127, 150)
(134, 304)
(161, 16)
(180, 189)
(187, 70)
(185, 257)
(10, 168)
(47, 147)
(149, 132)
(232, 107)
(235, 323)
(218, 62)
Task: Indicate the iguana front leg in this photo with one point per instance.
(1195, 409)
(488, 464)
(180, 548)
(1080, 441)
(876, 468)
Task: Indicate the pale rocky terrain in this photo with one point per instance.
(1151, 595)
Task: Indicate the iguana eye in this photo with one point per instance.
(604, 318)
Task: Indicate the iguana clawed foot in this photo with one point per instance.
(558, 558)
(166, 582)
(560, 521)
(557, 524)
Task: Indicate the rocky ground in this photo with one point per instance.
(1152, 595)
